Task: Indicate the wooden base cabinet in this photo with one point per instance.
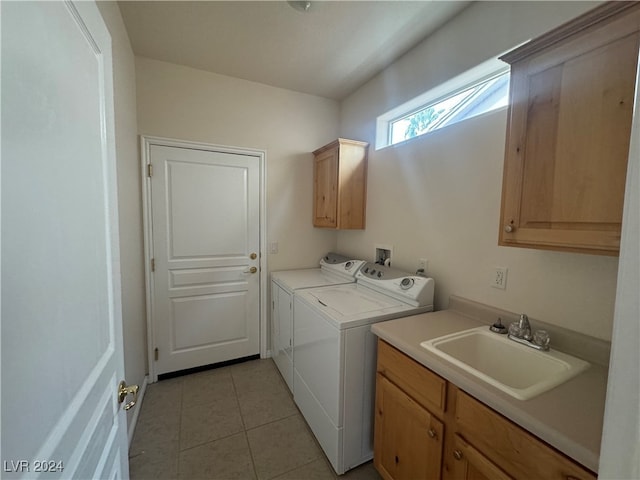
(427, 428)
(409, 439)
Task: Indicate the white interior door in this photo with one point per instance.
(62, 348)
(206, 249)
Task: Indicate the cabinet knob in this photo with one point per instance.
(432, 433)
(509, 228)
(457, 454)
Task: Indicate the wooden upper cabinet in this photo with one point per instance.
(340, 185)
(568, 133)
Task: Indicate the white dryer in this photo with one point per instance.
(334, 269)
(335, 355)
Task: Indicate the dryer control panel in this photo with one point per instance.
(340, 265)
(397, 283)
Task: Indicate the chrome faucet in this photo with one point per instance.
(520, 332)
(525, 327)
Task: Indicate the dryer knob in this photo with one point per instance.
(379, 274)
(348, 265)
(406, 283)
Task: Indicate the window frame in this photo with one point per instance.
(477, 75)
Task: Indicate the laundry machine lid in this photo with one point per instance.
(307, 278)
(352, 305)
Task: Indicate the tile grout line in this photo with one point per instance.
(244, 427)
(179, 449)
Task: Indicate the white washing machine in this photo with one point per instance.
(335, 355)
(334, 269)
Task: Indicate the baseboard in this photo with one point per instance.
(136, 412)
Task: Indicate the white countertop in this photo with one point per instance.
(568, 417)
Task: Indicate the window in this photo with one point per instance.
(471, 94)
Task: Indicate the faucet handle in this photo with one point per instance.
(542, 338)
(498, 327)
(515, 330)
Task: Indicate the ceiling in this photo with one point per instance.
(329, 50)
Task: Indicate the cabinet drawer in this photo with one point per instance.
(416, 380)
(469, 463)
(519, 453)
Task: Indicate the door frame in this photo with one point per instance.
(146, 141)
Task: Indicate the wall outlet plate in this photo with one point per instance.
(499, 277)
(423, 263)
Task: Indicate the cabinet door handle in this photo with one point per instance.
(457, 454)
(432, 433)
(509, 228)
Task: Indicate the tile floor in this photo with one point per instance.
(235, 422)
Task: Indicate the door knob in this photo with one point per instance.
(251, 270)
(124, 391)
(253, 256)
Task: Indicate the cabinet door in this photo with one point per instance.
(568, 143)
(469, 464)
(408, 439)
(325, 189)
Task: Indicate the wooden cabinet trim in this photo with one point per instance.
(590, 20)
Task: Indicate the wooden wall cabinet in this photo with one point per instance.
(340, 185)
(568, 133)
(427, 428)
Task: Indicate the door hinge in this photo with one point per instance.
(153, 264)
(149, 170)
(155, 354)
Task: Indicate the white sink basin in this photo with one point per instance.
(518, 370)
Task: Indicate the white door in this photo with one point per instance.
(62, 348)
(206, 239)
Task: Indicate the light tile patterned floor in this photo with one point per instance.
(235, 422)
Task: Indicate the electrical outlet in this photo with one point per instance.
(499, 277)
(423, 263)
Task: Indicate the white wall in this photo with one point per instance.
(129, 199)
(189, 104)
(439, 196)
